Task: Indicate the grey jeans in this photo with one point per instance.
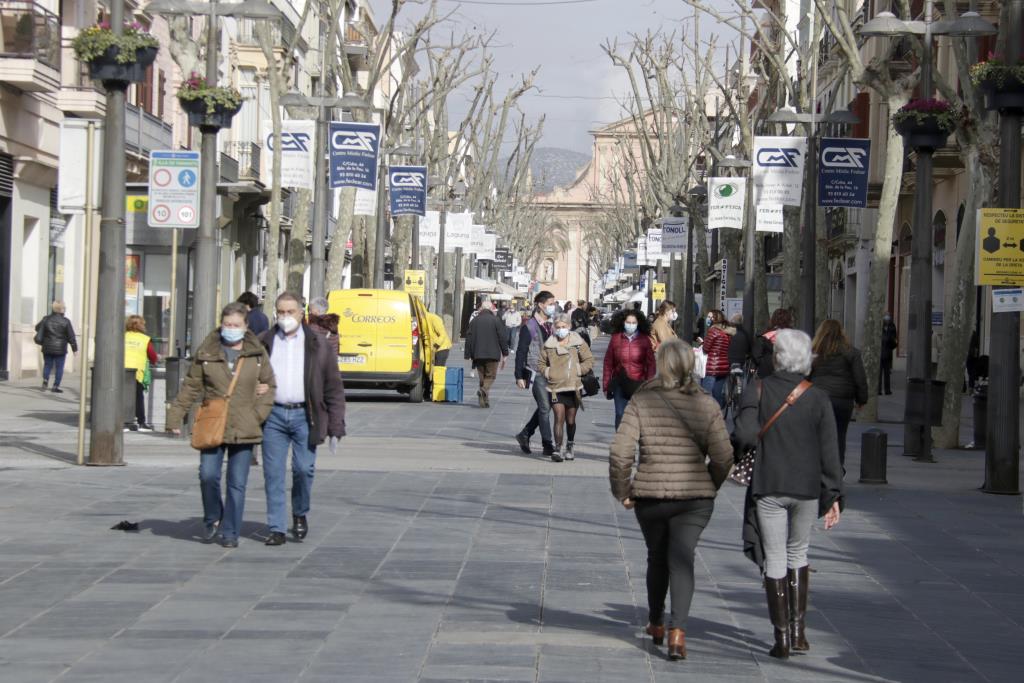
(785, 531)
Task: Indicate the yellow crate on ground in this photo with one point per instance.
(437, 384)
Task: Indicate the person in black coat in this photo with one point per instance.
(890, 340)
(487, 348)
(55, 334)
(763, 346)
(797, 478)
(839, 370)
(740, 347)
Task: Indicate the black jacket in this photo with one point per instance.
(58, 334)
(842, 375)
(579, 318)
(762, 352)
(486, 338)
(739, 347)
(799, 455)
(325, 392)
(890, 340)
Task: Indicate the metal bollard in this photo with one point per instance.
(874, 444)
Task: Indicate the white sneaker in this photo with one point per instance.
(567, 452)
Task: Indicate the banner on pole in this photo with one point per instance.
(779, 169)
(503, 258)
(843, 172)
(654, 250)
(673, 235)
(408, 187)
(366, 203)
(770, 218)
(476, 239)
(726, 202)
(298, 138)
(458, 232)
(487, 252)
(430, 230)
(354, 148)
(72, 168)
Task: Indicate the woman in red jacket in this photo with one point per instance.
(629, 360)
(716, 346)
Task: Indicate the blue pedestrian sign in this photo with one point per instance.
(843, 172)
(187, 178)
(353, 154)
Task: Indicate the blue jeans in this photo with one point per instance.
(542, 416)
(228, 512)
(55, 363)
(621, 402)
(287, 427)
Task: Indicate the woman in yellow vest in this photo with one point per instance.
(138, 350)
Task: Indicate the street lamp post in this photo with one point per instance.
(917, 437)
(697, 194)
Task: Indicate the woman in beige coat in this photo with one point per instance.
(661, 328)
(564, 359)
(677, 427)
(229, 350)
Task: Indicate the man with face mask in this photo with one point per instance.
(531, 341)
(309, 408)
(890, 340)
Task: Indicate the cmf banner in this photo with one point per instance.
(297, 141)
(779, 169)
(843, 172)
(354, 148)
(408, 186)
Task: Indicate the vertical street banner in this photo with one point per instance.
(490, 245)
(673, 235)
(770, 218)
(73, 171)
(641, 251)
(503, 258)
(654, 252)
(458, 232)
(476, 239)
(298, 138)
(726, 202)
(843, 172)
(778, 169)
(365, 203)
(430, 230)
(354, 148)
(408, 188)
(1000, 247)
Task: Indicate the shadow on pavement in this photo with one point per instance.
(61, 417)
(40, 449)
(191, 529)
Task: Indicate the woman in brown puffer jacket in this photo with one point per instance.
(676, 426)
(229, 350)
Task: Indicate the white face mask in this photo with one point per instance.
(561, 333)
(630, 328)
(674, 316)
(287, 323)
(549, 311)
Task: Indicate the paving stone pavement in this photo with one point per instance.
(438, 552)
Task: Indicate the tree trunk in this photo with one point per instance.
(274, 239)
(761, 313)
(960, 304)
(297, 243)
(822, 276)
(878, 286)
(342, 232)
(791, 256)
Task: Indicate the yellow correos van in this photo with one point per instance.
(384, 341)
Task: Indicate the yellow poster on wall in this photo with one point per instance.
(1000, 247)
(658, 291)
(415, 282)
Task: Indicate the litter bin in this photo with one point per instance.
(874, 445)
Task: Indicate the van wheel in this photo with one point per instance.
(416, 391)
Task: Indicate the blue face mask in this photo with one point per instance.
(549, 311)
(232, 335)
(630, 328)
(562, 333)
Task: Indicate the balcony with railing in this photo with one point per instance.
(29, 46)
(79, 94)
(144, 132)
(247, 154)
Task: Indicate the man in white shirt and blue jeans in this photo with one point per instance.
(309, 407)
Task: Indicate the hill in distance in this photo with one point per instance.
(553, 167)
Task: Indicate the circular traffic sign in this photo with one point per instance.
(186, 214)
(161, 213)
(187, 178)
(162, 177)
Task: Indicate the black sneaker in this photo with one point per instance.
(276, 538)
(210, 532)
(46, 385)
(524, 443)
(57, 390)
(549, 449)
(146, 427)
(131, 428)
(229, 542)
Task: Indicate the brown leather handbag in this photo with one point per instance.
(212, 417)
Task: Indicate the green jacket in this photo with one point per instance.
(210, 377)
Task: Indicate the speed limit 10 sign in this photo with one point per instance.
(174, 189)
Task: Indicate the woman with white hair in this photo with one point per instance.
(797, 478)
(55, 334)
(685, 456)
(320, 320)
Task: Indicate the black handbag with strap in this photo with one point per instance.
(743, 471)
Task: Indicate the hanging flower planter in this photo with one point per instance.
(1002, 83)
(115, 58)
(208, 106)
(925, 124)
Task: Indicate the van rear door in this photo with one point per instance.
(358, 340)
(394, 334)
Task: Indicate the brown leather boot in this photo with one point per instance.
(656, 632)
(777, 591)
(798, 609)
(676, 644)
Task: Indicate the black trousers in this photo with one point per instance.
(885, 377)
(671, 529)
(140, 403)
(842, 408)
